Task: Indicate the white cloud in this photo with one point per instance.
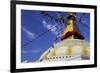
(31, 51)
(44, 22)
(46, 25)
(29, 33)
(50, 27)
(53, 29)
(25, 61)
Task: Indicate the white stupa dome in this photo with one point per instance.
(67, 48)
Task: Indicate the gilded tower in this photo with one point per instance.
(72, 31)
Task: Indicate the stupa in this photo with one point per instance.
(72, 45)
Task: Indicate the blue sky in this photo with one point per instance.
(33, 24)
